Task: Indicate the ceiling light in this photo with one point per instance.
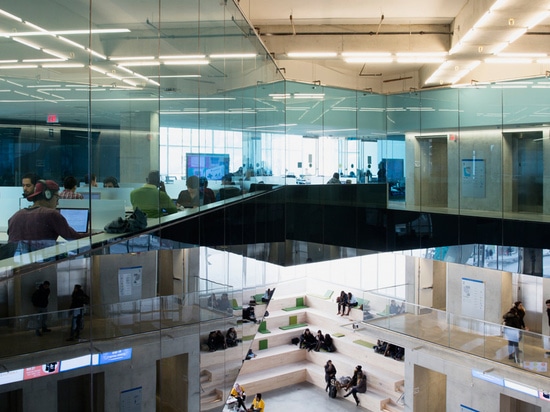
(312, 54)
(186, 62)
(62, 65)
(537, 19)
(101, 56)
(11, 16)
(26, 43)
(72, 43)
(130, 58)
(516, 35)
(8, 61)
(183, 56)
(365, 54)
(510, 60)
(56, 54)
(368, 59)
(140, 63)
(42, 60)
(19, 66)
(233, 56)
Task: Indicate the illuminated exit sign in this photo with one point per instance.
(52, 118)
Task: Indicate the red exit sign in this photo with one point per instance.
(52, 118)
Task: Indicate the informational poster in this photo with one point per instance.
(473, 178)
(473, 298)
(129, 283)
(130, 400)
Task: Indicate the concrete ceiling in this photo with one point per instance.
(396, 26)
(121, 93)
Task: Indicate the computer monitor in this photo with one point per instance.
(210, 165)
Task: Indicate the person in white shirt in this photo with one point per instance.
(352, 302)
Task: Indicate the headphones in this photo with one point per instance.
(47, 193)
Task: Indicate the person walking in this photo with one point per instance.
(78, 300)
(40, 300)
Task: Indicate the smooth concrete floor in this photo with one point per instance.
(305, 397)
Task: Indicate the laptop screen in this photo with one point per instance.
(78, 219)
(93, 195)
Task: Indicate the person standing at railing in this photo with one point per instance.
(40, 300)
(512, 332)
(78, 300)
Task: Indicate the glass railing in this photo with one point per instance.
(108, 321)
(510, 346)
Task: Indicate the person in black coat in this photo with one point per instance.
(78, 300)
(512, 332)
(330, 373)
(40, 300)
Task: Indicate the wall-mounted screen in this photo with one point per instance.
(211, 166)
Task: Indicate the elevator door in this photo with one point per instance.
(433, 171)
(528, 170)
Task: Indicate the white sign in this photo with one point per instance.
(473, 298)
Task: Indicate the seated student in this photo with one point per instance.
(320, 340)
(224, 303)
(267, 295)
(40, 225)
(90, 181)
(69, 183)
(110, 181)
(395, 309)
(258, 404)
(342, 302)
(352, 302)
(207, 195)
(360, 386)
(231, 338)
(220, 340)
(307, 340)
(211, 342)
(153, 201)
(213, 301)
(190, 197)
(328, 344)
(353, 381)
(335, 179)
(28, 181)
(228, 188)
(238, 393)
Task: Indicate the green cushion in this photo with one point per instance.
(293, 320)
(300, 301)
(235, 305)
(295, 326)
(290, 309)
(263, 327)
(263, 344)
(364, 343)
(338, 335)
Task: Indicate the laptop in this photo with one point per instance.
(78, 219)
(92, 195)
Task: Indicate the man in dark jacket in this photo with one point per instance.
(512, 332)
(78, 300)
(40, 300)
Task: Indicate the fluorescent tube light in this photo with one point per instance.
(62, 65)
(233, 56)
(72, 43)
(368, 59)
(131, 58)
(186, 62)
(312, 54)
(140, 63)
(183, 56)
(26, 43)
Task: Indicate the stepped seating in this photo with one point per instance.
(279, 363)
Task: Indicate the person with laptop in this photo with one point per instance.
(70, 183)
(40, 225)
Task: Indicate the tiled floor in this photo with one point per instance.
(305, 397)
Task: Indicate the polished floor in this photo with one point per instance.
(306, 397)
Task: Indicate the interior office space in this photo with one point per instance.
(121, 89)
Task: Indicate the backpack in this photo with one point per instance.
(332, 391)
(136, 221)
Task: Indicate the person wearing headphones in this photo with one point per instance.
(41, 223)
